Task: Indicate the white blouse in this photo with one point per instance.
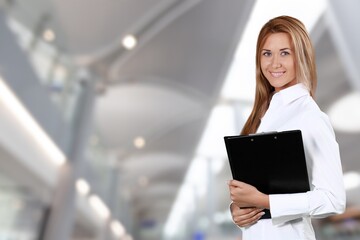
(289, 109)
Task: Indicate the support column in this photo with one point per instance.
(111, 200)
(62, 214)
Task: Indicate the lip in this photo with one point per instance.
(277, 74)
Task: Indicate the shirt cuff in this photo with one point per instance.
(286, 207)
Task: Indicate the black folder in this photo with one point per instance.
(273, 162)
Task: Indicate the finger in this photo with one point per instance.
(256, 218)
(244, 213)
(243, 219)
(250, 221)
(250, 211)
(247, 213)
(235, 209)
(235, 183)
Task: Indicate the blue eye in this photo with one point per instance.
(266, 54)
(284, 53)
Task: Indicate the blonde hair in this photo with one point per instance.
(304, 65)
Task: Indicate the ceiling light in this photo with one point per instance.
(99, 206)
(10, 101)
(139, 142)
(49, 35)
(351, 180)
(117, 228)
(82, 187)
(129, 42)
(345, 113)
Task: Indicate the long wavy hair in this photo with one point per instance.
(305, 67)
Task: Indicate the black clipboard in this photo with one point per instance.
(273, 162)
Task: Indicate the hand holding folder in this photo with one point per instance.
(272, 162)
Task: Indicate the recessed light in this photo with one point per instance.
(117, 228)
(99, 206)
(139, 142)
(82, 187)
(129, 42)
(49, 35)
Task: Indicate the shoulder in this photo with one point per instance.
(314, 120)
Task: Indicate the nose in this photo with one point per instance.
(275, 62)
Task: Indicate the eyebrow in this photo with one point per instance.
(282, 49)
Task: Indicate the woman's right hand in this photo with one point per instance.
(245, 217)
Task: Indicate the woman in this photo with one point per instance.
(285, 87)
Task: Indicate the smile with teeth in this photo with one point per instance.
(277, 74)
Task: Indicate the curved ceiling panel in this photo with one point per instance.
(102, 24)
(128, 111)
(195, 50)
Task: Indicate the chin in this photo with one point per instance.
(277, 85)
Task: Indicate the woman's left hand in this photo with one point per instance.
(246, 195)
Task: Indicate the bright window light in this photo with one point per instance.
(351, 180)
(82, 187)
(181, 207)
(99, 206)
(15, 107)
(345, 113)
(221, 122)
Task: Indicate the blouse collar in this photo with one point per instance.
(292, 93)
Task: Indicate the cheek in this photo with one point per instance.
(263, 72)
(264, 63)
(291, 65)
(291, 69)
(263, 68)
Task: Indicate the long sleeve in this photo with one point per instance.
(327, 195)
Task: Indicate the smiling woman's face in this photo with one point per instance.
(278, 61)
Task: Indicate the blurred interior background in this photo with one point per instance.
(113, 112)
